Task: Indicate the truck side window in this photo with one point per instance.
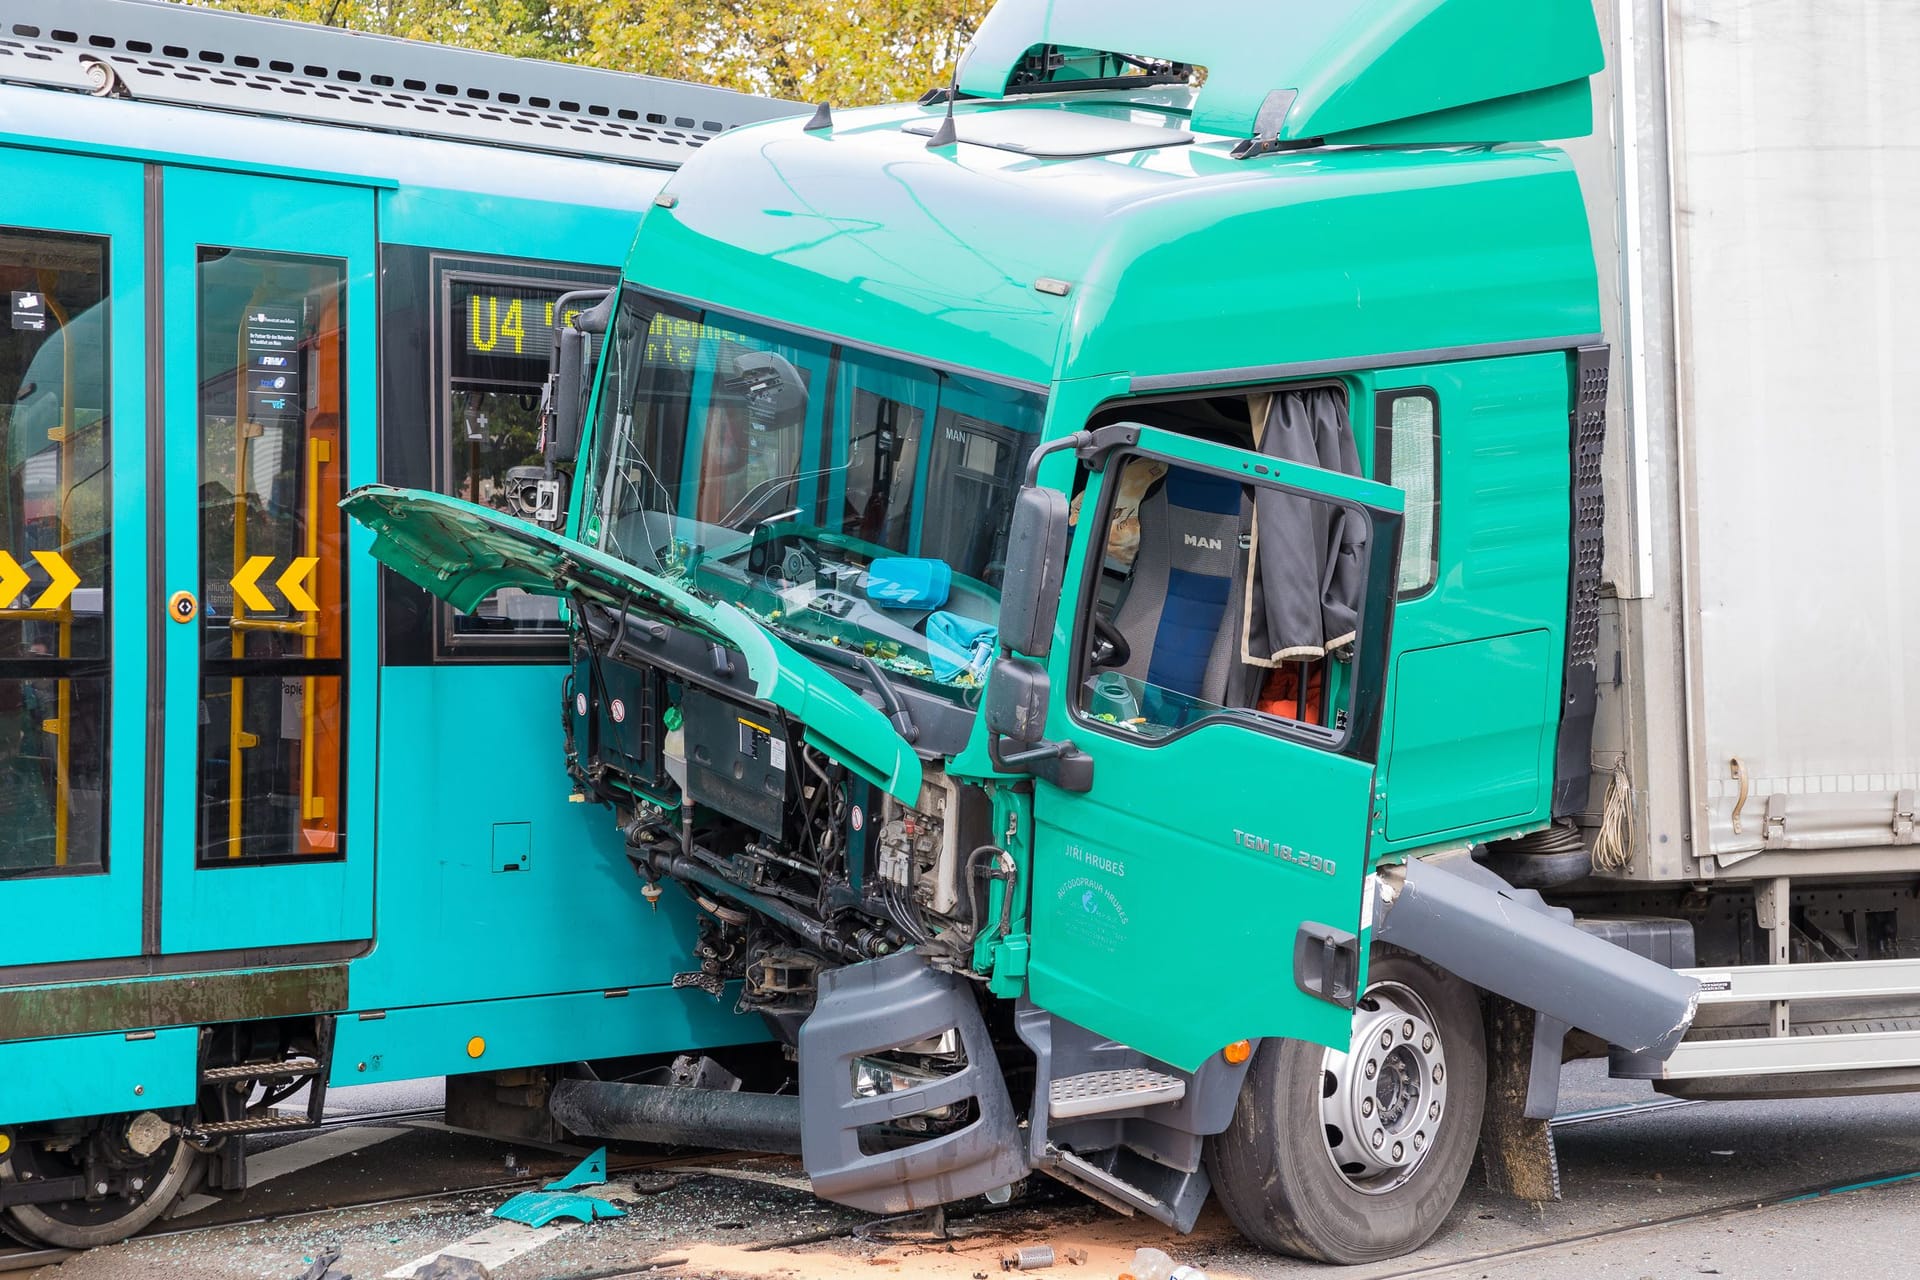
(1407, 455)
(1173, 645)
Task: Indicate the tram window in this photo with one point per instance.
(54, 504)
(498, 335)
(272, 431)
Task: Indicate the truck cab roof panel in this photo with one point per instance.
(1315, 255)
(1305, 69)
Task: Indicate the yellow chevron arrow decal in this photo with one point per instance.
(64, 580)
(246, 584)
(293, 582)
(13, 579)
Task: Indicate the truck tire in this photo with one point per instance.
(1359, 1156)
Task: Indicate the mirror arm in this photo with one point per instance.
(1038, 752)
(1092, 447)
(1061, 763)
(598, 318)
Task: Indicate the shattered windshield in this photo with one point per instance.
(840, 496)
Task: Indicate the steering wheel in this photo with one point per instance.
(1110, 647)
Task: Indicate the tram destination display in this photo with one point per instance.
(502, 333)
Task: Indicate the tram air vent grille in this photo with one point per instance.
(338, 77)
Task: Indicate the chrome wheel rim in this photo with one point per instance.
(1382, 1102)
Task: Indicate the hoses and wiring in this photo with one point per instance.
(1613, 843)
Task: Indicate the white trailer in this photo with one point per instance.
(1753, 173)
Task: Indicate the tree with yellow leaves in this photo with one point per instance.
(847, 52)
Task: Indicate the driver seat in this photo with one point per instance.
(1182, 612)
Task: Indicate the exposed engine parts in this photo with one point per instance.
(795, 863)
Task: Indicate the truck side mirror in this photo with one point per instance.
(569, 386)
(1017, 695)
(1036, 570)
(1018, 691)
(571, 371)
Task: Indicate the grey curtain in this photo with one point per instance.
(1308, 555)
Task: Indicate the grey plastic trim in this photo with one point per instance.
(1508, 941)
(874, 1007)
(1357, 364)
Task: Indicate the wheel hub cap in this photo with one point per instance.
(1382, 1102)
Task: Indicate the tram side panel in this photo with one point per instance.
(510, 889)
(240, 784)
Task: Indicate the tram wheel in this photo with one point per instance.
(144, 1186)
(1358, 1156)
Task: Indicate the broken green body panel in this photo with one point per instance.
(463, 553)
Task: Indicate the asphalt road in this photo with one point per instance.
(1731, 1189)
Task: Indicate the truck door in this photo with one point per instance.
(269, 680)
(1210, 884)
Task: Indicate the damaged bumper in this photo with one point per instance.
(1509, 941)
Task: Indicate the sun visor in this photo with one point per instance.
(1374, 71)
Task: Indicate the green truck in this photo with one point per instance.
(1092, 582)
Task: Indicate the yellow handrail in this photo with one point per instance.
(311, 804)
(238, 739)
(62, 725)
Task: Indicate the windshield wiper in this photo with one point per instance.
(892, 704)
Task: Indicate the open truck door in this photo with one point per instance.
(1201, 821)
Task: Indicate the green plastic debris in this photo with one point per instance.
(538, 1208)
(590, 1172)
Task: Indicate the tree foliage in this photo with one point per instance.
(843, 51)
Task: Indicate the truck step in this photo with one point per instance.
(1095, 1093)
(1096, 1183)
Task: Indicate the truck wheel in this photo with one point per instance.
(1359, 1156)
(148, 1185)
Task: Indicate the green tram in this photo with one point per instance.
(270, 817)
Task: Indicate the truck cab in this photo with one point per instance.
(1090, 582)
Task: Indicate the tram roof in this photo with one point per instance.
(160, 52)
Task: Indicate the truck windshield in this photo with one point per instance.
(840, 496)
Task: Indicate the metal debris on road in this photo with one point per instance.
(320, 1267)
(450, 1266)
(1034, 1257)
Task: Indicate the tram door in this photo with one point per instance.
(269, 402)
(73, 695)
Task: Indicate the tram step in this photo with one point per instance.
(272, 1123)
(1094, 1093)
(291, 1069)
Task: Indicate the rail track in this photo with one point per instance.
(15, 1259)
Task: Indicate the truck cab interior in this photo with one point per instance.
(1171, 640)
